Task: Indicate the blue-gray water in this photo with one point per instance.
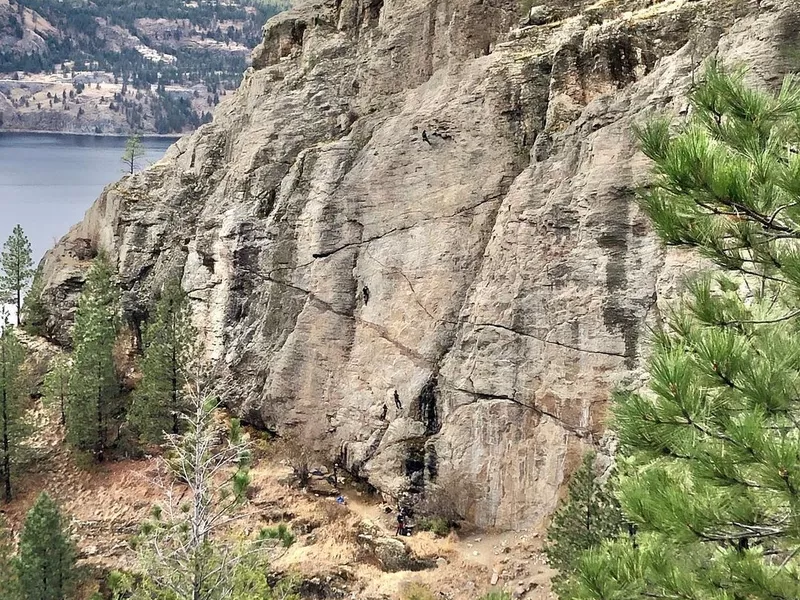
(48, 181)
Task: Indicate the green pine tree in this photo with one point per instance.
(56, 386)
(34, 309)
(16, 268)
(589, 516)
(45, 564)
(134, 152)
(712, 445)
(93, 399)
(8, 575)
(169, 344)
(12, 430)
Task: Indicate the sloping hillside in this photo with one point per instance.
(158, 67)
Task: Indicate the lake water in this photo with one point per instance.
(48, 181)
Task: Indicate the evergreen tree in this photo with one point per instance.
(93, 385)
(12, 431)
(34, 310)
(590, 516)
(17, 268)
(134, 152)
(56, 386)
(45, 564)
(8, 575)
(713, 443)
(169, 342)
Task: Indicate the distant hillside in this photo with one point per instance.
(148, 41)
(161, 64)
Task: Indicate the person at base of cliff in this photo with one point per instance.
(401, 524)
(397, 401)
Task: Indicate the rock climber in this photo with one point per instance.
(425, 138)
(365, 293)
(384, 410)
(397, 401)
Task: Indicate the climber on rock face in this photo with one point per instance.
(384, 410)
(365, 293)
(397, 401)
(425, 137)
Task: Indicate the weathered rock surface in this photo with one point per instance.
(498, 276)
(390, 553)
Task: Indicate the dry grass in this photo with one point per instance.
(416, 591)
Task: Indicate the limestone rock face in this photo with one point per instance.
(411, 237)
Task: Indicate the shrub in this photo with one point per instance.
(281, 533)
(298, 458)
(444, 504)
(436, 525)
(416, 591)
(496, 595)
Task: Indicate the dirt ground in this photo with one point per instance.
(109, 501)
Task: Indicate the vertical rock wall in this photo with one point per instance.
(495, 272)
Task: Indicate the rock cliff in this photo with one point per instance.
(410, 237)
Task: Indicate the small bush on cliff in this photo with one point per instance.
(437, 525)
(712, 443)
(590, 516)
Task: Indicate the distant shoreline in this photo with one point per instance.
(144, 136)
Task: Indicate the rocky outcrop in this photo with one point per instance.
(411, 237)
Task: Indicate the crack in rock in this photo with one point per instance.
(546, 341)
(577, 431)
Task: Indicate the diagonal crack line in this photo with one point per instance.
(564, 425)
(311, 295)
(464, 209)
(485, 396)
(328, 253)
(546, 341)
(382, 332)
(410, 285)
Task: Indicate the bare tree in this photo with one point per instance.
(184, 547)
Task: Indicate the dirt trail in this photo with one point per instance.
(510, 560)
